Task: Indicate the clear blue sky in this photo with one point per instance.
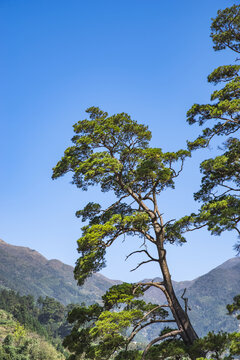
(149, 58)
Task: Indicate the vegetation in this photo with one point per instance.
(46, 317)
(114, 152)
(220, 186)
(17, 343)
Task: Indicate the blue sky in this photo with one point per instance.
(149, 58)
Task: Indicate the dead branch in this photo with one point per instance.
(185, 299)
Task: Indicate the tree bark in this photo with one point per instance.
(188, 333)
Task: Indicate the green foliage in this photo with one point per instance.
(226, 103)
(129, 355)
(168, 349)
(226, 28)
(114, 152)
(23, 308)
(234, 344)
(117, 133)
(217, 346)
(213, 344)
(221, 175)
(51, 310)
(17, 343)
(219, 190)
(100, 331)
(47, 317)
(29, 349)
(19, 333)
(234, 308)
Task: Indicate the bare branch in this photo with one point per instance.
(195, 228)
(229, 187)
(128, 230)
(176, 174)
(142, 263)
(116, 203)
(139, 327)
(235, 228)
(215, 132)
(156, 209)
(185, 299)
(169, 221)
(162, 337)
(140, 251)
(135, 196)
(147, 285)
(147, 197)
(229, 120)
(148, 236)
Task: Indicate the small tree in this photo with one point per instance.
(113, 152)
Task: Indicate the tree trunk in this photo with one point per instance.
(188, 335)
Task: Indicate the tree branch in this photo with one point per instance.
(125, 231)
(228, 187)
(116, 203)
(135, 330)
(162, 337)
(140, 251)
(142, 263)
(235, 228)
(185, 299)
(195, 228)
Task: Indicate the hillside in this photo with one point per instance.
(210, 293)
(18, 343)
(28, 272)
(208, 296)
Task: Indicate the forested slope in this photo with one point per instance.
(16, 342)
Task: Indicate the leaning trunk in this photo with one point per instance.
(188, 333)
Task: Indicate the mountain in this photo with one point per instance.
(154, 295)
(208, 296)
(28, 272)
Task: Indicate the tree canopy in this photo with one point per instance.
(220, 187)
(114, 153)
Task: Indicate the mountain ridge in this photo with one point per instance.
(27, 271)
